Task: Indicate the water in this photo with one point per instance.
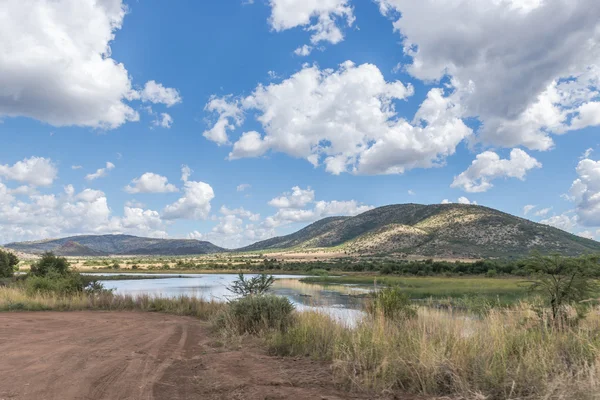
(342, 302)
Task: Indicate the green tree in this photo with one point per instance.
(257, 285)
(50, 264)
(563, 281)
(8, 262)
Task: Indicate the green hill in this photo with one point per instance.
(96, 245)
(439, 230)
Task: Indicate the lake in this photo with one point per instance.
(342, 302)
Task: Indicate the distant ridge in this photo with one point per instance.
(439, 230)
(105, 245)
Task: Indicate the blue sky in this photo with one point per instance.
(288, 111)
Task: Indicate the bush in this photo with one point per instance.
(254, 314)
(63, 285)
(8, 264)
(392, 303)
(257, 285)
(50, 264)
(55, 283)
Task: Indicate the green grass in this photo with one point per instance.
(503, 289)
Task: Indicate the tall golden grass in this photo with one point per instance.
(507, 354)
(17, 299)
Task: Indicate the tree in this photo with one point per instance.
(8, 262)
(563, 281)
(256, 285)
(49, 263)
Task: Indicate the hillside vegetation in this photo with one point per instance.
(103, 245)
(440, 230)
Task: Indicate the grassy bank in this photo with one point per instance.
(17, 299)
(510, 354)
(506, 290)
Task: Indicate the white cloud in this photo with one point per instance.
(36, 171)
(100, 172)
(163, 120)
(76, 167)
(156, 93)
(522, 67)
(587, 153)
(543, 212)
(464, 200)
(242, 187)
(193, 205)
(70, 213)
(411, 192)
(346, 120)
(297, 198)
(528, 208)
(150, 183)
(185, 173)
(564, 221)
(488, 166)
(461, 200)
(585, 192)
(321, 17)
(230, 117)
(303, 51)
(56, 69)
(292, 209)
(240, 212)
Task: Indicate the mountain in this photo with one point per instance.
(439, 230)
(104, 245)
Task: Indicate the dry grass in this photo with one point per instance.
(16, 299)
(509, 354)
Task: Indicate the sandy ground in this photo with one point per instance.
(126, 355)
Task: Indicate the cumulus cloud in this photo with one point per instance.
(297, 198)
(70, 213)
(322, 18)
(524, 68)
(195, 202)
(585, 192)
(163, 120)
(303, 51)
(461, 200)
(156, 93)
(230, 116)
(292, 208)
(36, 171)
(488, 166)
(100, 172)
(59, 70)
(565, 222)
(243, 187)
(543, 212)
(150, 183)
(528, 208)
(346, 120)
(241, 212)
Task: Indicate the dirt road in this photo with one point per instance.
(112, 355)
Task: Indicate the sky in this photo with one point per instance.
(234, 121)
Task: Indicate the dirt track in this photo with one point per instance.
(102, 355)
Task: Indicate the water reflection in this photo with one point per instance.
(341, 302)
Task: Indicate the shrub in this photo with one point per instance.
(50, 264)
(8, 263)
(257, 285)
(392, 303)
(55, 283)
(254, 314)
